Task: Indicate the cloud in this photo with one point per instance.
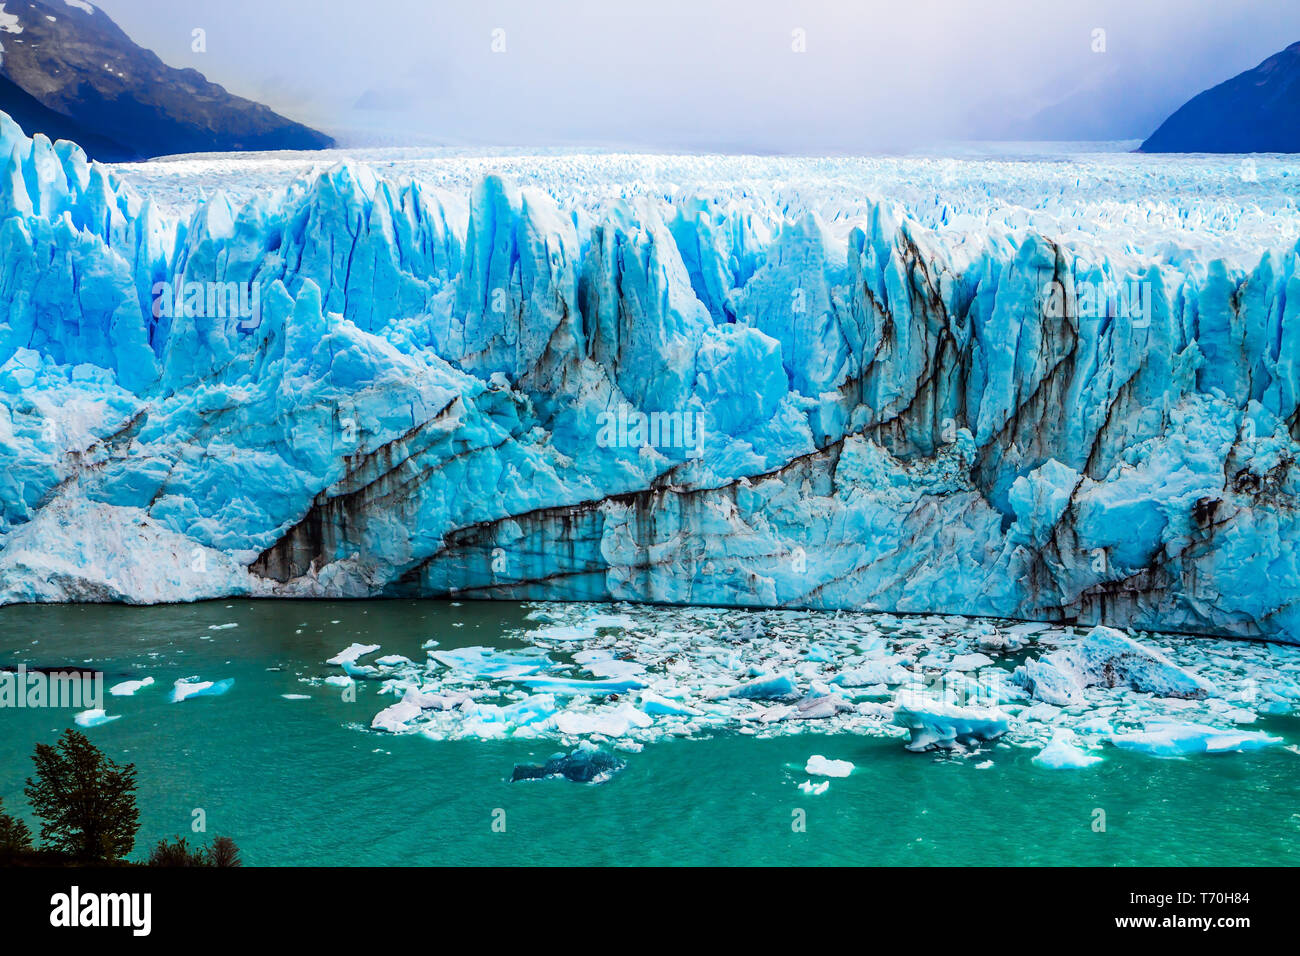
(768, 75)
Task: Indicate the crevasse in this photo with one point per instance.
(890, 415)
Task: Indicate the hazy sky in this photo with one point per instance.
(717, 74)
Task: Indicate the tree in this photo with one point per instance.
(224, 853)
(15, 836)
(85, 800)
(177, 853)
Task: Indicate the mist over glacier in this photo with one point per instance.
(893, 413)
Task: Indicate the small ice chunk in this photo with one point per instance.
(1171, 739)
(188, 687)
(944, 726)
(296, 696)
(222, 627)
(574, 687)
(970, 662)
(658, 706)
(352, 652)
(1064, 753)
(602, 663)
(127, 688)
(360, 671)
(564, 632)
(884, 671)
(93, 718)
(819, 766)
(816, 789)
(615, 723)
(395, 718)
(821, 707)
(1095, 725)
(771, 687)
(490, 662)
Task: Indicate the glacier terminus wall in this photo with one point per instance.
(510, 386)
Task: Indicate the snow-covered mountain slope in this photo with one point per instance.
(684, 390)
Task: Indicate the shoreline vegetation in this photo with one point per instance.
(86, 804)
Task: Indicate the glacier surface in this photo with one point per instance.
(897, 385)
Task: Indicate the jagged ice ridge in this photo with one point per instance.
(890, 418)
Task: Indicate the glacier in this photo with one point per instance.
(877, 387)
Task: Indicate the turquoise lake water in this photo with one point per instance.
(302, 782)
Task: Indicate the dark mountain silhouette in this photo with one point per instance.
(70, 72)
(1254, 112)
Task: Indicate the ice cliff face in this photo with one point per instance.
(668, 399)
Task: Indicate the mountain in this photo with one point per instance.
(1254, 112)
(68, 71)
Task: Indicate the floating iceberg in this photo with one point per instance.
(361, 671)
(189, 687)
(1111, 659)
(657, 706)
(93, 718)
(571, 686)
(614, 723)
(1160, 739)
(937, 725)
(128, 688)
(352, 653)
(489, 662)
(869, 673)
(769, 687)
(395, 718)
(819, 766)
(675, 673)
(1064, 753)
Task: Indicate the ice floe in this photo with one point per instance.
(188, 687)
(1108, 657)
(1064, 753)
(352, 653)
(94, 718)
(819, 766)
(939, 725)
(648, 673)
(1161, 739)
(128, 688)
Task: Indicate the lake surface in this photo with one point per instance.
(304, 781)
